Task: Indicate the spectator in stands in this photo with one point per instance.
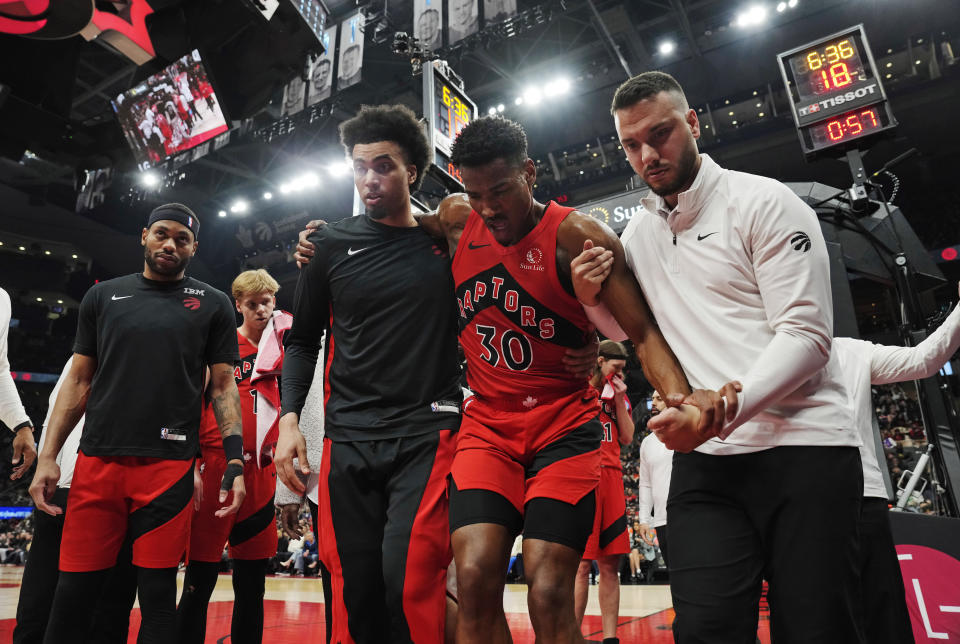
(638, 552)
(14, 546)
(294, 546)
(308, 556)
(283, 542)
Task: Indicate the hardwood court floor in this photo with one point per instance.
(294, 612)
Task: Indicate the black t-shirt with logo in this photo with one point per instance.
(387, 294)
(152, 342)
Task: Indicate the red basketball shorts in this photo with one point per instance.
(252, 531)
(609, 536)
(147, 500)
(551, 451)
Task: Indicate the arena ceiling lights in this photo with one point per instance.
(304, 182)
(339, 168)
(752, 17)
(149, 179)
(535, 94)
(755, 15)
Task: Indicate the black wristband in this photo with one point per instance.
(25, 423)
(233, 447)
(233, 471)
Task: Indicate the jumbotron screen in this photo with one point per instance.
(170, 112)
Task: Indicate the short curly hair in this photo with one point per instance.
(396, 123)
(487, 139)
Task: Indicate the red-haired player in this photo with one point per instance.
(609, 541)
(251, 532)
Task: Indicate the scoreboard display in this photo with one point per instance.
(835, 92)
(447, 109)
(314, 15)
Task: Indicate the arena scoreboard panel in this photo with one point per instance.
(447, 109)
(314, 15)
(835, 92)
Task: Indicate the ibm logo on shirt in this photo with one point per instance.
(193, 291)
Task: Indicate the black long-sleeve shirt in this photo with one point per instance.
(386, 293)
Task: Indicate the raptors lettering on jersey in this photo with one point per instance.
(516, 320)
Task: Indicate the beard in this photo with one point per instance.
(389, 206)
(376, 212)
(685, 173)
(160, 269)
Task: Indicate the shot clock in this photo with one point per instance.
(835, 92)
(447, 109)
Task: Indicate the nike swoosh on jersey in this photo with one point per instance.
(350, 251)
(702, 237)
(122, 297)
(473, 246)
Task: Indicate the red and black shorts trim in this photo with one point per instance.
(146, 500)
(251, 533)
(609, 536)
(526, 469)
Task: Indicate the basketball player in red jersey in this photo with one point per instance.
(528, 453)
(251, 532)
(609, 541)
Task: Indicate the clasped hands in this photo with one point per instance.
(689, 420)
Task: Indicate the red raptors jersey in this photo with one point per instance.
(516, 320)
(610, 447)
(242, 369)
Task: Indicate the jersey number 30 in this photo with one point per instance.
(511, 343)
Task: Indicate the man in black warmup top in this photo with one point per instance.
(143, 343)
(384, 287)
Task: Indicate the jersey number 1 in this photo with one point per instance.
(607, 432)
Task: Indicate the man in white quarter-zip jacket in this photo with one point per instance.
(735, 269)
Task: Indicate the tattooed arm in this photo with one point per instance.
(225, 399)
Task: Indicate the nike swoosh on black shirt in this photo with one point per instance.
(473, 246)
(702, 237)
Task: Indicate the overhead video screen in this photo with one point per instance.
(170, 112)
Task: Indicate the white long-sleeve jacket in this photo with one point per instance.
(67, 458)
(864, 363)
(12, 412)
(738, 278)
(653, 481)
